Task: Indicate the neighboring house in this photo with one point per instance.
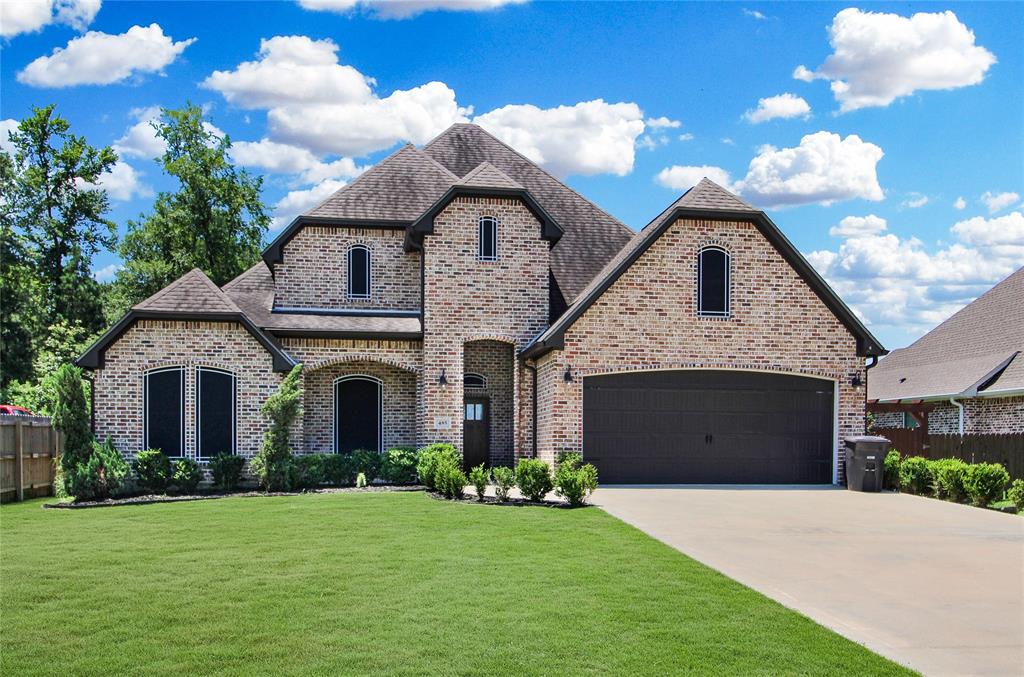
(965, 376)
(459, 293)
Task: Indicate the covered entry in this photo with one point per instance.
(709, 426)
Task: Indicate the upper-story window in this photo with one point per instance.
(713, 282)
(359, 272)
(488, 239)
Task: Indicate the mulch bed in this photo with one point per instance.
(146, 499)
(491, 500)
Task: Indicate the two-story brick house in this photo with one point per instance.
(459, 293)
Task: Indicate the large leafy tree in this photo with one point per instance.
(214, 221)
(18, 318)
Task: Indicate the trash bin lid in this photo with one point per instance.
(866, 438)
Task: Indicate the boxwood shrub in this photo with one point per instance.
(450, 479)
(915, 475)
(429, 457)
(226, 470)
(534, 478)
(399, 466)
(152, 470)
(310, 470)
(985, 482)
(892, 470)
(480, 477)
(1016, 494)
(949, 476)
(186, 476)
(574, 479)
(504, 480)
(339, 470)
(367, 462)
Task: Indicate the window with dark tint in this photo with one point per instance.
(357, 414)
(215, 412)
(359, 272)
(488, 238)
(164, 419)
(713, 282)
(471, 380)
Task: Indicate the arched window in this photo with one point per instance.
(474, 381)
(358, 413)
(713, 282)
(215, 412)
(358, 272)
(163, 418)
(488, 238)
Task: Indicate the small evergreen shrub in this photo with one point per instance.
(399, 466)
(71, 417)
(429, 457)
(949, 476)
(100, 476)
(361, 480)
(226, 470)
(152, 470)
(915, 475)
(186, 476)
(534, 478)
(504, 480)
(338, 470)
(450, 479)
(479, 477)
(310, 470)
(1016, 494)
(891, 476)
(367, 462)
(273, 465)
(985, 482)
(575, 480)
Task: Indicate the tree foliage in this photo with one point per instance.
(273, 464)
(71, 417)
(214, 221)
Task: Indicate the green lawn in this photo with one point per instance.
(379, 582)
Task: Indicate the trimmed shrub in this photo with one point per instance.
(949, 476)
(153, 470)
(367, 462)
(338, 470)
(1016, 494)
(450, 479)
(272, 466)
(985, 482)
(399, 466)
(226, 470)
(186, 475)
(534, 478)
(915, 475)
(504, 480)
(574, 480)
(430, 456)
(99, 477)
(891, 478)
(479, 477)
(310, 470)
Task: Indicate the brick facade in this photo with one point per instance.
(981, 415)
(314, 272)
(647, 320)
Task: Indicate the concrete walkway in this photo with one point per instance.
(935, 586)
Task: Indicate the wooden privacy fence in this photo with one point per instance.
(28, 448)
(1007, 449)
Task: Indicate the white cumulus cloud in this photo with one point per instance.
(101, 59)
(590, 137)
(107, 273)
(856, 226)
(122, 182)
(404, 9)
(280, 158)
(298, 201)
(878, 57)
(28, 16)
(824, 168)
(915, 201)
(996, 202)
(6, 128)
(663, 123)
(960, 204)
(783, 106)
(679, 177)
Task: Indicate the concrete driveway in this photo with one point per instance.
(932, 585)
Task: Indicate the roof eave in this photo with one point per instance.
(347, 334)
(424, 225)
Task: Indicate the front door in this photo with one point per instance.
(475, 438)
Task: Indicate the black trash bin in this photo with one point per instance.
(865, 462)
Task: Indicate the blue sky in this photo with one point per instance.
(895, 161)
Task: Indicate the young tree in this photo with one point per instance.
(273, 464)
(215, 221)
(71, 417)
(58, 212)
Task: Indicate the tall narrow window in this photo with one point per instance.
(163, 420)
(488, 238)
(358, 272)
(215, 412)
(358, 413)
(713, 282)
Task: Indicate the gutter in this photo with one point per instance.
(960, 421)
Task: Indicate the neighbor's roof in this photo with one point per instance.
(976, 352)
(710, 201)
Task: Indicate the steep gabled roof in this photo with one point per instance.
(706, 200)
(979, 350)
(487, 175)
(192, 292)
(590, 236)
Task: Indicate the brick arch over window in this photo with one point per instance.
(362, 357)
(501, 338)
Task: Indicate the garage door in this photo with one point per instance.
(702, 426)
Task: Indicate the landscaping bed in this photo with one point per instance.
(146, 499)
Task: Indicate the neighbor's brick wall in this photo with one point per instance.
(314, 272)
(494, 360)
(149, 344)
(982, 415)
(647, 320)
(467, 299)
(889, 419)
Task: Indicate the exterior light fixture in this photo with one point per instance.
(442, 380)
(568, 374)
(856, 382)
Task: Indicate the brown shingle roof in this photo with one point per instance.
(193, 292)
(487, 175)
(591, 236)
(962, 351)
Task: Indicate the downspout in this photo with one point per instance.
(867, 368)
(533, 431)
(960, 420)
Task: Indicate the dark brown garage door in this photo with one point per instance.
(714, 427)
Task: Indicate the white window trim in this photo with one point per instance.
(334, 408)
(369, 273)
(480, 240)
(700, 284)
(145, 407)
(483, 381)
(199, 411)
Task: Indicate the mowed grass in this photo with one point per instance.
(395, 583)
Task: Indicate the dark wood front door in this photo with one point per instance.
(475, 438)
